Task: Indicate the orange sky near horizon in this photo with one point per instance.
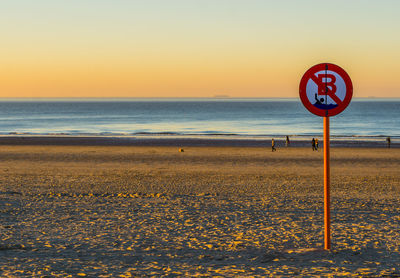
(193, 48)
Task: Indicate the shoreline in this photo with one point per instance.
(192, 141)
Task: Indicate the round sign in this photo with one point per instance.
(326, 90)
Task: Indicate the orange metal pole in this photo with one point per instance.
(327, 212)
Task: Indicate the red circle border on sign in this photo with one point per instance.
(303, 90)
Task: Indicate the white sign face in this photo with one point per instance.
(336, 90)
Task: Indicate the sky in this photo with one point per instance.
(194, 48)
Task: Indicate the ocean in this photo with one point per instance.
(193, 117)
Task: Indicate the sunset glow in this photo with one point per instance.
(192, 48)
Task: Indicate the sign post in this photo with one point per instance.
(326, 90)
(327, 184)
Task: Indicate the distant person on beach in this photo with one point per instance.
(287, 141)
(388, 142)
(313, 144)
(273, 145)
(316, 144)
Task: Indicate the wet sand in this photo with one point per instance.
(109, 211)
(163, 140)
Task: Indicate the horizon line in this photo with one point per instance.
(212, 97)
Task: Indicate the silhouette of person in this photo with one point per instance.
(319, 101)
(313, 144)
(287, 141)
(388, 142)
(273, 145)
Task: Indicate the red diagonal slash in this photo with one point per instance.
(321, 87)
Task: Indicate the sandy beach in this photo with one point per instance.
(122, 211)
